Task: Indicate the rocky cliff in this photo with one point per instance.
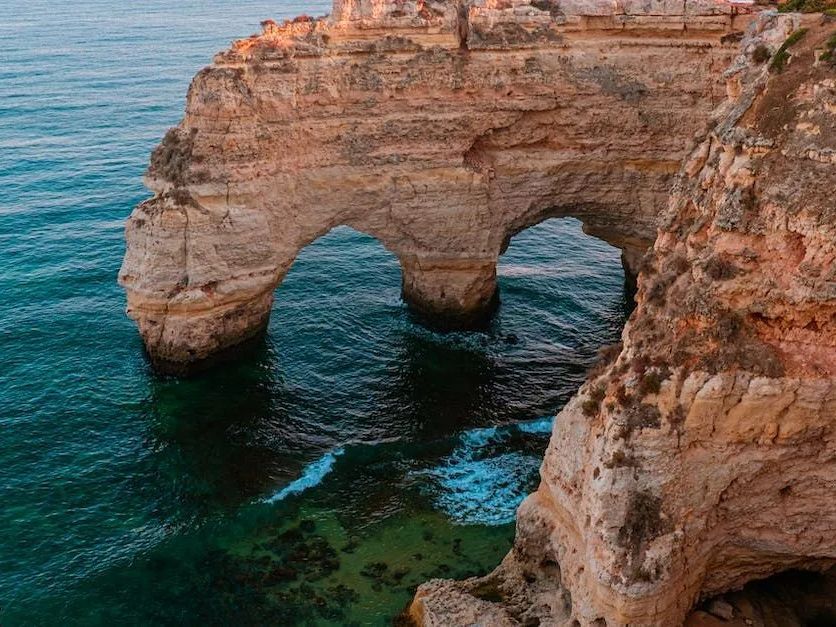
(441, 128)
(703, 455)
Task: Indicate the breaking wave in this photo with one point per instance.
(312, 475)
(477, 485)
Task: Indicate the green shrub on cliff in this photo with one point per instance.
(829, 54)
(592, 404)
(779, 61)
(761, 54)
(807, 6)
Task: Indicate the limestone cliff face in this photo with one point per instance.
(704, 455)
(440, 128)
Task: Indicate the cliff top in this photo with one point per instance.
(458, 24)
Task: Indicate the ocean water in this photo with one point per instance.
(318, 479)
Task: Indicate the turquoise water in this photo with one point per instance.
(340, 462)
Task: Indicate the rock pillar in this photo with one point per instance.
(450, 292)
(181, 343)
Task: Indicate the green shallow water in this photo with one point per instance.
(318, 479)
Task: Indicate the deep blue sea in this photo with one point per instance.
(317, 480)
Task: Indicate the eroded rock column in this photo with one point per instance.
(450, 293)
(191, 296)
(182, 343)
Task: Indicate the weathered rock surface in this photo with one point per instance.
(704, 455)
(440, 128)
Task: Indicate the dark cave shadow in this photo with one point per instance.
(792, 597)
(212, 439)
(443, 383)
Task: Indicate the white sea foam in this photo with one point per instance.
(312, 475)
(485, 491)
(476, 490)
(477, 438)
(469, 488)
(540, 425)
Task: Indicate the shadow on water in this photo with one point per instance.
(237, 431)
(440, 385)
(212, 437)
(355, 547)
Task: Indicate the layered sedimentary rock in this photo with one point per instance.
(440, 128)
(703, 455)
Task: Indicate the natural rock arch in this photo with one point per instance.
(441, 129)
